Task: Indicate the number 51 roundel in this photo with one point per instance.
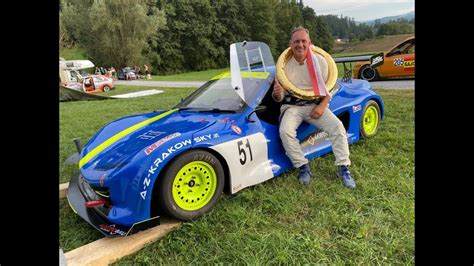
(247, 158)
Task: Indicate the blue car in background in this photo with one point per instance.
(127, 73)
(223, 137)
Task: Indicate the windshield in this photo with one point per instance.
(217, 93)
(214, 94)
(251, 64)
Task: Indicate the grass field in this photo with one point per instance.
(279, 221)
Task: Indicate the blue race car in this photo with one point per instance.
(222, 137)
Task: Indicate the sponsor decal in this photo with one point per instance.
(158, 161)
(409, 65)
(236, 187)
(398, 62)
(206, 137)
(160, 142)
(237, 129)
(356, 108)
(320, 135)
(376, 60)
(150, 134)
(275, 167)
(223, 120)
(96, 162)
(111, 229)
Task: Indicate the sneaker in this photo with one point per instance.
(346, 176)
(305, 174)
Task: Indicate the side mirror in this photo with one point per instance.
(257, 109)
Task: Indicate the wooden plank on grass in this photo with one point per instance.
(63, 190)
(107, 250)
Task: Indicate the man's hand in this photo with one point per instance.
(277, 91)
(317, 111)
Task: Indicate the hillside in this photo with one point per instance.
(407, 16)
(369, 46)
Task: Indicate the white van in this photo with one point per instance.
(69, 71)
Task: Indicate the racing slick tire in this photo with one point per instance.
(191, 185)
(368, 73)
(106, 88)
(370, 119)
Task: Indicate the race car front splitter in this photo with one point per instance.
(77, 201)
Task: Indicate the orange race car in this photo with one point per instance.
(97, 83)
(399, 63)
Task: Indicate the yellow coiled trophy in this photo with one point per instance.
(302, 93)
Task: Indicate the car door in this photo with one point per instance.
(399, 61)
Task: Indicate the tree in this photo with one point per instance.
(261, 17)
(113, 32)
(289, 17)
(65, 40)
(189, 40)
(318, 29)
(235, 29)
(339, 27)
(395, 27)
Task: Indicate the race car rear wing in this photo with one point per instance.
(375, 61)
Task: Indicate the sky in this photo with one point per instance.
(361, 10)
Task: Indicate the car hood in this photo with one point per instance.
(118, 143)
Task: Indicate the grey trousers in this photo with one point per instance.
(294, 115)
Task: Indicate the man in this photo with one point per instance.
(294, 111)
(147, 72)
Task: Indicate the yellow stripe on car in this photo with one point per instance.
(244, 74)
(120, 135)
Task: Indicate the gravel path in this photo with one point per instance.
(394, 84)
(151, 83)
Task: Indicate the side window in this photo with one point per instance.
(74, 76)
(411, 48)
(403, 48)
